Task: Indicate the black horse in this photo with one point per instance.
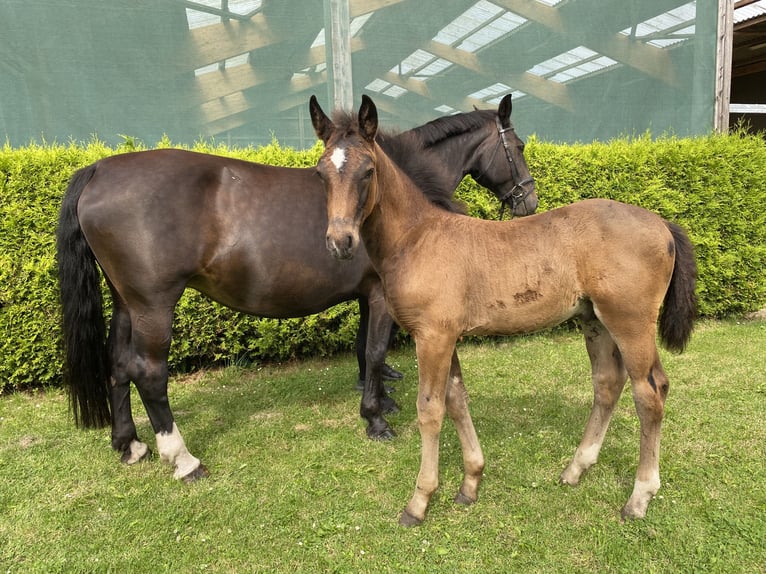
(247, 235)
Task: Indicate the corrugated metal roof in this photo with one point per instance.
(750, 11)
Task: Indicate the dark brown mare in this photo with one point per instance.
(247, 235)
(612, 265)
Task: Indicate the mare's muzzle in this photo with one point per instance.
(521, 198)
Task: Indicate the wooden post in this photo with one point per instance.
(338, 53)
(723, 65)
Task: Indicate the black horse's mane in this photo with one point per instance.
(406, 150)
(445, 127)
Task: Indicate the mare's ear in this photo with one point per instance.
(368, 119)
(323, 126)
(504, 110)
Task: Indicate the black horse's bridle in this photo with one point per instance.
(518, 194)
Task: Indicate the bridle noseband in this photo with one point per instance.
(518, 194)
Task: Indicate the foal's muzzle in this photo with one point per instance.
(342, 239)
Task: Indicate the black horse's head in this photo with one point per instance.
(504, 170)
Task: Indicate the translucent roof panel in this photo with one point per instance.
(667, 29)
(244, 7)
(473, 18)
(575, 63)
(478, 26)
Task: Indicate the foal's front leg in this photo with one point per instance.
(434, 367)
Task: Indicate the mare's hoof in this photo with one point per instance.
(407, 520)
(391, 374)
(461, 498)
(200, 472)
(380, 432)
(388, 405)
(136, 452)
(360, 386)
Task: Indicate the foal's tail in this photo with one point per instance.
(680, 306)
(86, 368)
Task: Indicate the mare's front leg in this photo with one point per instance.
(473, 458)
(151, 342)
(434, 353)
(375, 401)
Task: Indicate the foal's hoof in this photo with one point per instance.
(391, 374)
(407, 520)
(461, 498)
(200, 472)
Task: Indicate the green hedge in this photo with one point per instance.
(714, 186)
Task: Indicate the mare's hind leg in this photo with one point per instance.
(151, 342)
(609, 376)
(124, 436)
(473, 458)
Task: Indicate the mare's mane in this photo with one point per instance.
(406, 150)
(446, 127)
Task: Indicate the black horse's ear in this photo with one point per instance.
(504, 109)
(368, 119)
(323, 126)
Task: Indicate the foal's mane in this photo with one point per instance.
(424, 168)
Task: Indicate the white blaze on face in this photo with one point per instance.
(338, 158)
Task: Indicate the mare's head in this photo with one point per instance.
(504, 170)
(346, 168)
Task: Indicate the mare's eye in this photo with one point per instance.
(368, 173)
(319, 174)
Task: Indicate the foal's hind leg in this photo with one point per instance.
(124, 436)
(473, 458)
(609, 376)
(151, 342)
(636, 336)
(650, 387)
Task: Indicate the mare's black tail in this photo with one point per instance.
(86, 365)
(679, 309)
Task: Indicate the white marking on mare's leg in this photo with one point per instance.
(137, 451)
(173, 450)
(338, 158)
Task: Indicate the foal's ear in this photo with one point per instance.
(323, 126)
(504, 109)
(368, 119)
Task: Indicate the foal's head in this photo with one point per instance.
(346, 168)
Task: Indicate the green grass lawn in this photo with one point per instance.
(295, 486)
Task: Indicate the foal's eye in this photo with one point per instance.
(368, 173)
(319, 174)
